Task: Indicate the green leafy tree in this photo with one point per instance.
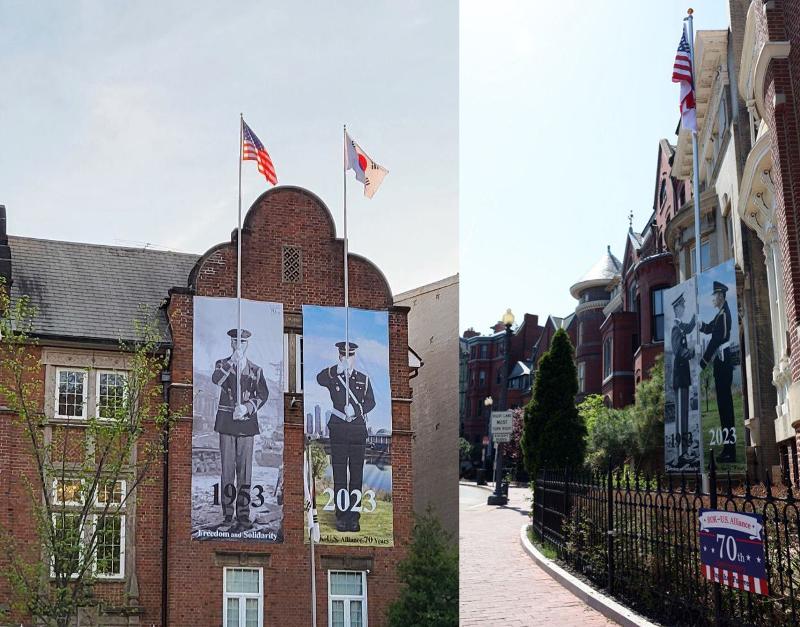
(633, 434)
(78, 462)
(648, 419)
(611, 433)
(464, 448)
(554, 433)
(429, 597)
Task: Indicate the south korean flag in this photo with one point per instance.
(367, 171)
(309, 502)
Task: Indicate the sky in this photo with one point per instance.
(119, 122)
(562, 107)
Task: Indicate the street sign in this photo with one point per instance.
(732, 550)
(502, 426)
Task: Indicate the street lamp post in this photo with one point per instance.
(487, 402)
(498, 498)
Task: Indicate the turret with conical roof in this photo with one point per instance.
(592, 292)
(599, 275)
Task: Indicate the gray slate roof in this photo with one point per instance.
(94, 292)
(605, 268)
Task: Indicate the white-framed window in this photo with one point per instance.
(106, 521)
(111, 492)
(68, 537)
(109, 555)
(67, 491)
(71, 392)
(110, 392)
(347, 598)
(243, 598)
(581, 377)
(705, 256)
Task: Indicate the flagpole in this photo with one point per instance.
(239, 269)
(696, 194)
(346, 284)
(310, 479)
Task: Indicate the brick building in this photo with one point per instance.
(433, 332)
(485, 376)
(768, 51)
(633, 329)
(87, 298)
(593, 294)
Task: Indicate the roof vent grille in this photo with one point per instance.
(292, 271)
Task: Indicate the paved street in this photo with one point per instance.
(500, 584)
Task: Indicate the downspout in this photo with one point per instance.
(166, 383)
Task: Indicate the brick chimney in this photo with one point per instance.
(470, 333)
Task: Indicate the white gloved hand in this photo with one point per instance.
(240, 412)
(349, 411)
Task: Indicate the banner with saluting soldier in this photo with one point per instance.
(720, 366)
(702, 377)
(682, 437)
(237, 430)
(349, 422)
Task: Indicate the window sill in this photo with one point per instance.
(109, 578)
(76, 421)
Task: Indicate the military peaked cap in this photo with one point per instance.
(719, 287)
(679, 301)
(245, 333)
(340, 346)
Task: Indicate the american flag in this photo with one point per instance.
(682, 73)
(253, 150)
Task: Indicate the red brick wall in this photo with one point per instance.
(620, 326)
(17, 469)
(652, 273)
(781, 23)
(293, 217)
(588, 350)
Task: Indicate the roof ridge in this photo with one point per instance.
(108, 246)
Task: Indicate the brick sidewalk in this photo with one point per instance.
(499, 583)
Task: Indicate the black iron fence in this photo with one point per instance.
(637, 537)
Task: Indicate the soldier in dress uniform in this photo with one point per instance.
(718, 352)
(237, 424)
(347, 423)
(681, 377)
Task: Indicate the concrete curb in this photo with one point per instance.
(471, 484)
(603, 604)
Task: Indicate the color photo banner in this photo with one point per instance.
(682, 443)
(721, 375)
(237, 433)
(703, 387)
(350, 424)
